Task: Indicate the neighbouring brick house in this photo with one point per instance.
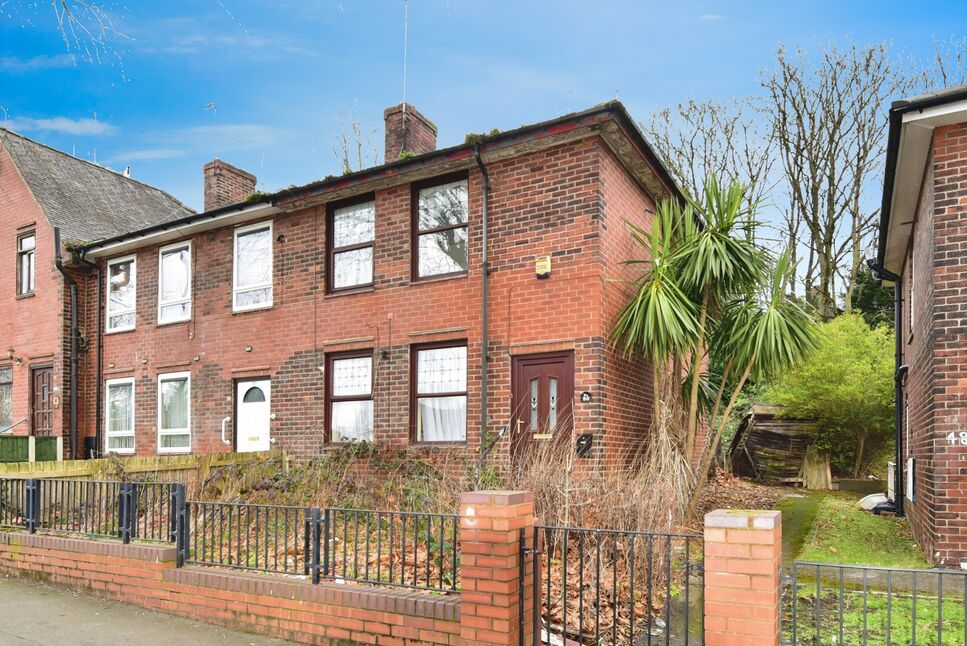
(40, 189)
(923, 250)
(353, 308)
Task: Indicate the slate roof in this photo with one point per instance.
(87, 201)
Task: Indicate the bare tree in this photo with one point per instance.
(88, 28)
(829, 128)
(354, 146)
(697, 139)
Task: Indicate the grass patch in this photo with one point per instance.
(882, 619)
(843, 533)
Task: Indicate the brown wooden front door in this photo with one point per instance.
(42, 401)
(543, 398)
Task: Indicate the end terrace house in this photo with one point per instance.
(43, 190)
(448, 299)
(923, 253)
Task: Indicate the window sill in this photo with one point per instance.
(366, 289)
(120, 452)
(174, 451)
(169, 323)
(121, 331)
(438, 445)
(438, 279)
(21, 297)
(247, 310)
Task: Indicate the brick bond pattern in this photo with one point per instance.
(225, 184)
(743, 554)
(413, 134)
(936, 383)
(569, 201)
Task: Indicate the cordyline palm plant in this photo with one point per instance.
(709, 296)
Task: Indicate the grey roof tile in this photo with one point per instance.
(87, 201)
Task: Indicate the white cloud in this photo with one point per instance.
(146, 154)
(237, 136)
(712, 17)
(62, 125)
(14, 64)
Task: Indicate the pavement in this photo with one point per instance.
(34, 613)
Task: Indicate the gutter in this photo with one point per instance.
(897, 110)
(484, 302)
(75, 333)
(99, 385)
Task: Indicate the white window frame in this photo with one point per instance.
(911, 306)
(235, 289)
(123, 381)
(186, 244)
(174, 376)
(108, 313)
(26, 283)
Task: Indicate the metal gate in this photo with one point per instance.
(611, 588)
(824, 603)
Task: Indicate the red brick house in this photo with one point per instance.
(42, 189)
(358, 307)
(923, 252)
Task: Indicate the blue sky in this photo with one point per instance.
(284, 74)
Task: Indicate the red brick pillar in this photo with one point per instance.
(743, 554)
(490, 567)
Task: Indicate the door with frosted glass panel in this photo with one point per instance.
(543, 387)
(253, 415)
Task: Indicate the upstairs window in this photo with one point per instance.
(120, 416)
(440, 394)
(174, 283)
(121, 294)
(351, 397)
(174, 413)
(252, 286)
(352, 229)
(440, 229)
(26, 249)
(6, 398)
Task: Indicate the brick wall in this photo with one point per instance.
(226, 184)
(294, 610)
(31, 326)
(547, 202)
(409, 133)
(936, 384)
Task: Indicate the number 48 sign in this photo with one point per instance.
(957, 439)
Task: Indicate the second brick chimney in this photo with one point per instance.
(225, 184)
(407, 131)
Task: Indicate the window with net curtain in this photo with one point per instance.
(252, 288)
(353, 229)
(351, 398)
(174, 416)
(441, 245)
(441, 394)
(6, 398)
(174, 283)
(120, 416)
(121, 294)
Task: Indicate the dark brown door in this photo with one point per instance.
(543, 386)
(42, 401)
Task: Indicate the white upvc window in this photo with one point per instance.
(121, 294)
(26, 263)
(252, 268)
(119, 415)
(174, 283)
(174, 412)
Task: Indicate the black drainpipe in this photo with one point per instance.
(59, 263)
(901, 370)
(485, 303)
(99, 386)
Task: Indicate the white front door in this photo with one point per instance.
(252, 415)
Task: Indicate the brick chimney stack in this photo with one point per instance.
(407, 131)
(225, 184)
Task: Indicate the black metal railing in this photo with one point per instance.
(126, 510)
(403, 549)
(596, 586)
(827, 603)
(268, 538)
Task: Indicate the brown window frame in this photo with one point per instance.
(7, 382)
(332, 357)
(33, 263)
(332, 250)
(415, 394)
(415, 232)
